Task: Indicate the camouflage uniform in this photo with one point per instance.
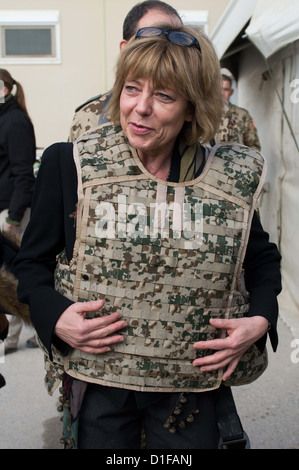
(247, 133)
(87, 116)
(166, 287)
(227, 131)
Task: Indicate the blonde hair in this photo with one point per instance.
(194, 73)
(19, 95)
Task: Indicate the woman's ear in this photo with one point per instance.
(122, 44)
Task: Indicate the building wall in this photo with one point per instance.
(91, 31)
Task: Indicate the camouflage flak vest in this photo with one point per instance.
(167, 256)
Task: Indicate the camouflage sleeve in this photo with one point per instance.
(228, 131)
(263, 277)
(87, 116)
(250, 133)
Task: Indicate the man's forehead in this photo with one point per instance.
(156, 16)
(226, 85)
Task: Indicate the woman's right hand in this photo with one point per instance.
(93, 336)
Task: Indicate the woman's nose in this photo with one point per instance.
(143, 105)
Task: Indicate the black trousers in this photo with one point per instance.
(107, 423)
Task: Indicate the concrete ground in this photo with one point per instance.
(28, 415)
(268, 408)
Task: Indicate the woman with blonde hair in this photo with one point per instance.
(153, 229)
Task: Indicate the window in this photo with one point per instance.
(27, 42)
(196, 17)
(29, 36)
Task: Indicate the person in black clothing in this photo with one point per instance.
(17, 153)
(161, 122)
(17, 156)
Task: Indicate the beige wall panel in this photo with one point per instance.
(53, 91)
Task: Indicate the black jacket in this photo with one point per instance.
(52, 228)
(17, 156)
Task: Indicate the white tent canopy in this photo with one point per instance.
(266, 64)
(274, 25)
(238, 13)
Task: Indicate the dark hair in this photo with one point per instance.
(138, 11)
(227, 78)
(19, 95)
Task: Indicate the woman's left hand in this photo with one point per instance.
(242, 333)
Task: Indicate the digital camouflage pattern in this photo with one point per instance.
(243, 123)
(87, 117)
(227, 131)
(166, 287)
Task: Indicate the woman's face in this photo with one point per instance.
(152, 118)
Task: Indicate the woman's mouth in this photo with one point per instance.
(139, 128)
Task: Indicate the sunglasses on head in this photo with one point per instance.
(176, 37)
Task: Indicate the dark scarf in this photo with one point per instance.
(187, 162)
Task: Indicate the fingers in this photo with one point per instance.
(103, 326)
(100, 346)
(103, 335)
(212, 344)
(221, 359)
(217, 360)
(230, 369)
(91, 306)
(228, 350)
(225, 323)
(226, 358)
(101, 332)
(98, 326)
(95, 335)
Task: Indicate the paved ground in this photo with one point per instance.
(269, 408)
(28, 415)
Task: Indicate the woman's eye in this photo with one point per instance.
(130, 89)
(164, 97)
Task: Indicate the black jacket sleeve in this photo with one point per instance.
(50, 230)
(262, 277)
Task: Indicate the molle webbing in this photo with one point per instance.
(165, 277)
